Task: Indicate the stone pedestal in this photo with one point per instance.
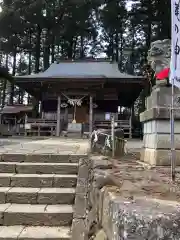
(156, 122)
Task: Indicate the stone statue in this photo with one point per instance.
(156, 118)
(159, 55)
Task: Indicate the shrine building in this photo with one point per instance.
(79, 92)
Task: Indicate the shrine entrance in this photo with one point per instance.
(81, 115)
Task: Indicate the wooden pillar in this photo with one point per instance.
(90, 115)
(42, 115)
(66, 115)
(58, 126)
(130, 125)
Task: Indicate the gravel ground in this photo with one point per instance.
(138, 179)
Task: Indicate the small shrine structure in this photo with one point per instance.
(13, 118)
(80, 93)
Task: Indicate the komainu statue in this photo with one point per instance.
(159, 55)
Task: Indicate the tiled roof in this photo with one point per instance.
(81, 70)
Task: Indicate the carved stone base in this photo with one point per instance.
(160, 141)
(159, 157)
(156, 122)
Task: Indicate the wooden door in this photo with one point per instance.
(81, 114)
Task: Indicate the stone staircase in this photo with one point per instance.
(37, 196)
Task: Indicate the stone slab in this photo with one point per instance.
(12, 232)
(140, 218)
(7, 167)
(19, 150)
(161, 96)
(56, 196)
(32, 180)
(38, 181)
(3, 193)
(80, 207)
(47, 168)
(45, 158)
(101, 235)
(160, 141)
(158, 157)
(12, 157)
(22, 195)
(160, 126)
(3, 208)
(82, 185)
(5, 179)
(159, 113)
(50, 233)
(66, 181)
(38, 215)
(79, 229)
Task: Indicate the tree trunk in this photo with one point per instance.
(1, 58)
(30, 54)
(35, 110)
(38, 49)
(19, 97)
(132, 49)
(35, 103)
(4, 85)
(70, 49)
(149, 29)
(74, 47)
(22, 97)
(46, 50)
(53, 49)
(82, 48)
(117, 46)
(7, 60)
(121, 51)
(112, 47)
(4, 93)
(11, 98)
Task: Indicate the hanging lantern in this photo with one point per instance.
(64, 105)
(95, 105)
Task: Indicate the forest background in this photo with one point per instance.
(34, 34)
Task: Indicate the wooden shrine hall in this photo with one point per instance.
(79, 92)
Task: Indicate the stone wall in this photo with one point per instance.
(104, 211)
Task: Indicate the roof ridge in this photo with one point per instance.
(83, 60)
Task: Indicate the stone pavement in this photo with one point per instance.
(56, 146)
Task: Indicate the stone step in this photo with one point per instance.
(33, 233)
(37, 195)
(38, 168)
(36, 215)
(38, 180)
(23, 157)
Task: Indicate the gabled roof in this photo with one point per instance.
(81, 70)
